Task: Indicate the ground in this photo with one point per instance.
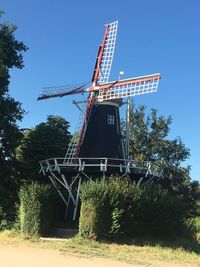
(26, 256)
(19, 251)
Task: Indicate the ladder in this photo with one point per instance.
(84, 127)
(72, 147)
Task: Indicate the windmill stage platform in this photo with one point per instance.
(104, 166)
(70, 175)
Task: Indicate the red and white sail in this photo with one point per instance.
(105, 54)
(128, 88)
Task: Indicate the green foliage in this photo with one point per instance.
(158, 212)
(197, 223)
(178, 181)
(95, 214)
(46, 140)
(149, 141)
(3, 221)
(10, 56)
(104, 205)
(120, 208)
(35, 211)
(148, 138)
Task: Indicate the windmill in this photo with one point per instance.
(97, 146)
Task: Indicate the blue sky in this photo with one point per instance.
(154, 36)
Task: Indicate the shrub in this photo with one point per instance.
(196, 221)
(120, 208)
(158, 212)
(104, 205)
(8, 198)
(35, 212)
(3, 221)
(95, 210)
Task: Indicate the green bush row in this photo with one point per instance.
(35, 211)
(120, 208)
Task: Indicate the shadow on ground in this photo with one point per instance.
(189, 244)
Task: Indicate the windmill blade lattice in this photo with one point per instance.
(60, 91)
(127, 88)
(108, 52)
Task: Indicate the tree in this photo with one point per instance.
(149, 141)
(10, 112)
(46, 140)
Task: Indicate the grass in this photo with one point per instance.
(138, 252)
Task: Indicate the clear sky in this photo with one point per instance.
(154, 36)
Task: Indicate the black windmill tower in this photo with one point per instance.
(97, 146)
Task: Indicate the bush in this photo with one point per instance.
(3, 221)
(196, 222)
(35, 213)
(95, 210)
(158, 212)
(120, 208)
(104, 205)
(8, 198)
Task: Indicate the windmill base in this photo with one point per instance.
(67, 177)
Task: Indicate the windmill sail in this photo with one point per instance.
(64, 90)
(105, 54)
(127, 88)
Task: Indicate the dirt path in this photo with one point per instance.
(33, 257)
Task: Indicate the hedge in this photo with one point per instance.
(35, 211)
(95, 217)
(3, 222)
(120, 208)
